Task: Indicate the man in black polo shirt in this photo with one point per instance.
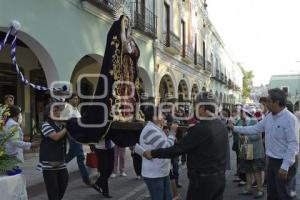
(205, 145)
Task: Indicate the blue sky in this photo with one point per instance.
(264, 35)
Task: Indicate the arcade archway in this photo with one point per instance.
(195, 91)
(296, 106)
(183, 91)
(146, 82)
(166, 88)
(38, 67)
(84, 78)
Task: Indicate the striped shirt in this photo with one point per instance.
(153, 137)
(157, 139)
(47, 129)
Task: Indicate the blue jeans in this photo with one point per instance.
(159, 188)
(76, 150)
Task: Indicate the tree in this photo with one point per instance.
(247, 82)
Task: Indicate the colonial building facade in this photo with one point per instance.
(190, 55)
(289, 83)
(64, 40)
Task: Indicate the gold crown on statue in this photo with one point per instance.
(122, 8)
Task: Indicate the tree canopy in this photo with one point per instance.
(247, 82)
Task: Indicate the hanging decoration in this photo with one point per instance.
(14, 27)
(2, 43)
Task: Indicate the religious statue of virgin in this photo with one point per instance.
(124, 73)
(121, 84)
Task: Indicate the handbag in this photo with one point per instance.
(91, 160)
(246, 150)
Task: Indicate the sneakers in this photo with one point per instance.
(123, 174)
(138, 178)
(259, 195)
(242, 183)
(293, 194)
(254, 185)
(237, 179)
(246, 192)
(113, 175)
(177, 198)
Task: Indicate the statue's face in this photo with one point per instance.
(125, 22)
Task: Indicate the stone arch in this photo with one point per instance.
(296, 106)
(147, 83)
(82, 78)
(195, 91)
(44, 58)
(166, 88)
(217, 95)
(163, 71)
(39, 68)
(183, 90)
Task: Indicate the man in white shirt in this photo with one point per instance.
(75, 150)
(281, 129)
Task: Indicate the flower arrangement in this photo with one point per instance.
(7, 163)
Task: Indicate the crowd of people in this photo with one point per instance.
(266, 145)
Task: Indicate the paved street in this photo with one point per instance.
(123, 188)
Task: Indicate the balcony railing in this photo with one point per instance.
(216, 75)
(208, 66)
(230, 84)
(144, 19)
(222, 78)
(200, 61)
(237, 88)
(106, 5)
(171, 42)
(187, 53)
